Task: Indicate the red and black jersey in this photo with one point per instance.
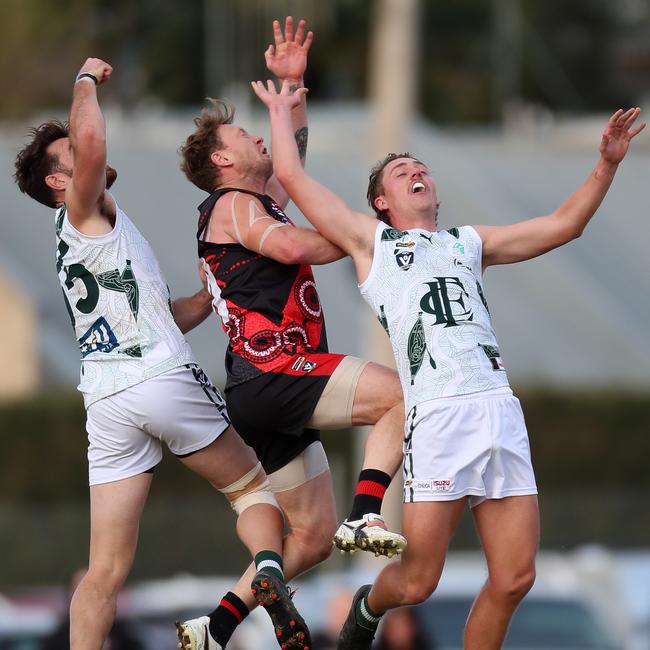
(270, 311)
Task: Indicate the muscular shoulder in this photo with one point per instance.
(243, 218)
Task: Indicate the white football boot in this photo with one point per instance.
(359, 534)
(195, 635)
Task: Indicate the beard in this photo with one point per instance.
(264, 168)
(111, 176)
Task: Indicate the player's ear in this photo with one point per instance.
(380, 203)
(58, 181)
(221, 158)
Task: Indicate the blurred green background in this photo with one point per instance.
(578, 55)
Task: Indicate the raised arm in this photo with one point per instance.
(351, 231)
(287, 60)
(88, 143)
(527, 239)
(244, 220)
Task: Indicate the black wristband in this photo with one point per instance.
(88, 75)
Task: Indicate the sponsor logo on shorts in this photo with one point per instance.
(430, 484)
(308, 366)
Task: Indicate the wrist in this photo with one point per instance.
(605, 168)
(296, 82)
(87, 76)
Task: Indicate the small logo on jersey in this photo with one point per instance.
(459, 248)
(99, 338)
(392, 234)
(134, 351)
(457, 262)
(493, 355)
(405, 244)
(302, 364)
(404, 259)
(298, 363)
(279, 213)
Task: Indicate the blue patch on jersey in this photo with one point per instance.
(404, 259)
(99, 338)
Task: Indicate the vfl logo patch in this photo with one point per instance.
(99, 338)
(404, 259)
(459, 247)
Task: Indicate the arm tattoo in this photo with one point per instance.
(301, 141)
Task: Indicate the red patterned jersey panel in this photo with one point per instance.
(270, 311)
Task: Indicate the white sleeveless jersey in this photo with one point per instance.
(119, 305)
(425, 288)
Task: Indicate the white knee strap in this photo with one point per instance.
(259, 494)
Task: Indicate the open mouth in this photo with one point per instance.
(418, 187)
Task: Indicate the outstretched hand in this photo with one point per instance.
(99, 69)
(270, 97)
(287, 59)
(618, 133)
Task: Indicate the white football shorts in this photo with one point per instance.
(470, 445)
(180, 407)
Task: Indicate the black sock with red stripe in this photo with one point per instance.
(231, 612)
(371, 488)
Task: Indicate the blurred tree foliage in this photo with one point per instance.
(476, 55)
(40, 46)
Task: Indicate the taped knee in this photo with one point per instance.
(252, 493)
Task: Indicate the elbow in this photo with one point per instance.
(89, 139)
(292, 252)
(575, 232)
(294, 255)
